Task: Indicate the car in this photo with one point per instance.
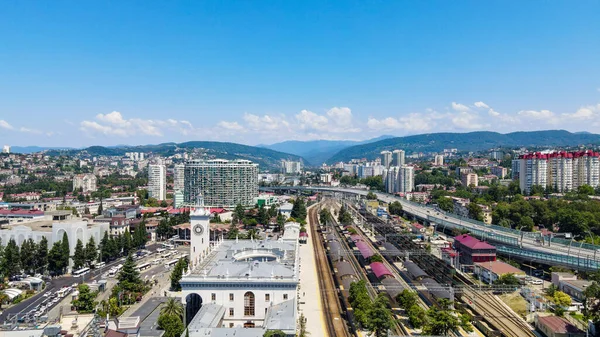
(537, 282)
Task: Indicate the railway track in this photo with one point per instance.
(329, 300)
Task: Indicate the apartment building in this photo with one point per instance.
(223, 183)
(438, 160)
(469, 179)
(291, 167)
(157, 181)
(562, 171)
(386, 158)
(398, 158)
(499, 171)
(178, 177)
(399, 179)
(85, 182)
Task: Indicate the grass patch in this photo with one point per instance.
(516, 302)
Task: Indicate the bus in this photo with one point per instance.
(98, 265)
(165, 255)
(81, 272)
(171, 263)
(112, 272)
(160, 250)
(143, 266)
(168, 246)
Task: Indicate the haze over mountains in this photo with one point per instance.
(316, 152)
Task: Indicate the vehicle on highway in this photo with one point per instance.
(81, 272)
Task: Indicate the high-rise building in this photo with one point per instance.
(398, 158)
(222, 183)
(157, 181)
(386, 158)
(515, 169)
(499, 171)
(406, 179)
(6, 149)
(469, 179)
(291, 167)
(561, 171)
(178, 177)
(438, 160)
(85, 182)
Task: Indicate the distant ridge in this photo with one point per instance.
(472, 141)
(266, 158)
(316, 152)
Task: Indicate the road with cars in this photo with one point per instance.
(35, 307)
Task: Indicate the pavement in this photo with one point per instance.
(310, 292)
(148, 314)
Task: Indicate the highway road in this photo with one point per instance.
(430, 213)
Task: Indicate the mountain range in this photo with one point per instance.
(472, 141)
(317, 152)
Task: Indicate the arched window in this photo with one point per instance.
(249, 304)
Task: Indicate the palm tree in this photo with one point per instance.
(172, 308)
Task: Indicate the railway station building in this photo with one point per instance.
(240, 287)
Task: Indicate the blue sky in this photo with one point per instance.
(77, 73)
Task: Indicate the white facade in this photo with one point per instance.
(386, 158)
(178, 177)
(291, 167)
(6, 149)
(438, 160)
(406, 179)
(87, 183)
(469, 179)
(398, 158)
(157, 181)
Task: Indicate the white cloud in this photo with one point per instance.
(467, 120)
(340, 116)
(309, 120)
(413, 122)
(493, 113)
(481, 105)
(459, 107)
(264, 123)
(534, 114)
(114, 124)
(28, 130)
(5, 125)
(230, 125)
(585, 112)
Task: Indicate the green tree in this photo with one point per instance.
(380, 316)
(163, 230)
(371, 196)
(65, 250)
(561, 299)
(127, 242)
(445, 204)
(176, 275)
(465, 322)
(360, 301)
(395, 208)
(27, 255)
(172, 325)
(11, 260)
(324, 216)
(299, 209)
(78, 256)
(280, 221)
(239, 213)
(376, 258)
(85, 302)
(275, 333)
(91, 252)
(416, 316)
(406, 299)
(172, 308)
(507, 279)
(585, 190)
(263, 216)
(441, 320)
(140, 236)
(475, 212)
(551, 290)
(129, 277)
(273, 211)
(56, 264)
(41, 255)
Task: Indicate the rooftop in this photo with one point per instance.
(473, 243)
(249, 261)
(500, 268)
(559, 325)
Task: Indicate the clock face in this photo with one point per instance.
(198, 229)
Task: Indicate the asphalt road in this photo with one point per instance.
(60, 282)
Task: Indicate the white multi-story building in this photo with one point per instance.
(291, 167)
(406, 179)
(6, 149)
(157, 181)
(499, 171)
(240, 284)
(386, 158)
(515, 169)
(398, 158)
(179, 177)
(87, 183)
(223, 183)
(469, 179)
(561, 171)
(438, 160)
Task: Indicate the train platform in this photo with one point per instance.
(310, 292)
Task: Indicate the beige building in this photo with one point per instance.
(87, 183)
(469, 179)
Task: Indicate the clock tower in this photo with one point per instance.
(200, 231)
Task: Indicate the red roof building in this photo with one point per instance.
(554, 326)
(472, 250)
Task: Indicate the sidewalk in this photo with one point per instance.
(309, 293)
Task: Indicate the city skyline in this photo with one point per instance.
(258, 73)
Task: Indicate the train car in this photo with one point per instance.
(436, 290)
(414, 271)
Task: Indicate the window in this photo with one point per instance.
(249, 304)
(267, 297)
(213, 297)
(231, 312)
(285, 296)
(231, 325)
(249, 325)
(231, 296)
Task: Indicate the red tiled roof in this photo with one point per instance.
(500, 268)
(17, 211)
(473, 243)
(558, 325)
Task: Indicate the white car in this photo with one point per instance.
(537, 282)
